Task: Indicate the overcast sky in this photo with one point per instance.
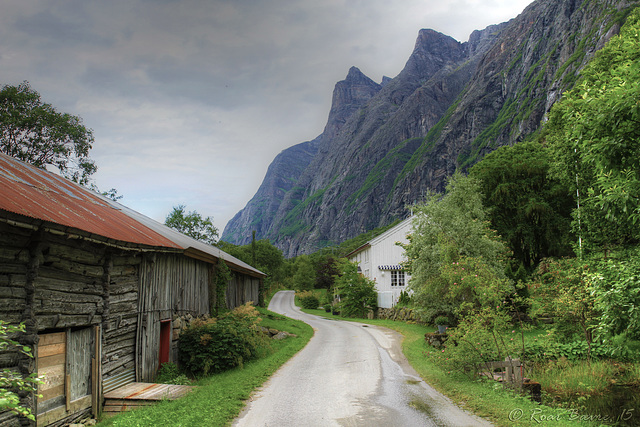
(190, 100)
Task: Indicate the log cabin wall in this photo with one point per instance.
(13, 302)
(171, 285)
(79, 302)
(120, 325)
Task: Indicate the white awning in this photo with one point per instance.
(390, 267)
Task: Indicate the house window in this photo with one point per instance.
(397, 278)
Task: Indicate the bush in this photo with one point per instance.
(169, 373)
(216, 345)
(357, 293)
(308, 300)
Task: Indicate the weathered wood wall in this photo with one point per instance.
(14, 261)
(242, 289)
(120, 326)
(170, 285)
(58, 285)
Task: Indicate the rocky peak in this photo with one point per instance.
(432, 51)
(348, 96)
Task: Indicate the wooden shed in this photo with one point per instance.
(101, 288)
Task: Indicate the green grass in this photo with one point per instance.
(220, 398)
(487, 399)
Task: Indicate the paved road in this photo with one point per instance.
(350, 374)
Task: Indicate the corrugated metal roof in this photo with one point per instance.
(36, 193)
(194, 247)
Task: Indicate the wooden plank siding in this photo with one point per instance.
(170, 285)
(52, 350)
(242, 289)
(93, 311)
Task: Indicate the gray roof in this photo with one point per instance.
(192, 247)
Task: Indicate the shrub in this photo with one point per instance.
(169, 373)
(308, 300)
(357, 293)
(224, 343)
(12, 384)
(481, 337)
(616, 286)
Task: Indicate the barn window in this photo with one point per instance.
(397, 278)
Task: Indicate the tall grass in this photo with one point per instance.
(565, 378)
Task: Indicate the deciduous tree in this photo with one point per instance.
(529, 209)
(593, 132)
(35, 132)
(192, 224)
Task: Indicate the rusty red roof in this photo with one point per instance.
(36, 193)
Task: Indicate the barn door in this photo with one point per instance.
(79, 363)
(165, 342)
(65, 360)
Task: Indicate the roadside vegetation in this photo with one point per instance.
(220, 397)
(533, 254)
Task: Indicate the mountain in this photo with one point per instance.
(386, 144)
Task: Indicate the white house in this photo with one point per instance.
(380, 260)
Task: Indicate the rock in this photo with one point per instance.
(280, 336)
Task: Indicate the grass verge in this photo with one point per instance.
(220, 398)
(487, 399)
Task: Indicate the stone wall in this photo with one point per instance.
(398, 313)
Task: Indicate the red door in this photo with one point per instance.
(165, 341)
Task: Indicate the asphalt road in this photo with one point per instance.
(350, 374)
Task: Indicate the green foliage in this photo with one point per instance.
(357, 294)
(308, 300)
(268, 258)
(615, 283)
(34, 132)
(326, 270)
(485, 335)
(222, 343)
(451, 243)
(559, 290)
(169, 373)
(404, 300)
(222, 278)
(593, 132)
(531, 211)
(192, 224)
(305, 274)
(564, 377)
(12, 384)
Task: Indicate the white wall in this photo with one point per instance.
(385, 252)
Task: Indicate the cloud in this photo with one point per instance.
(190, 100)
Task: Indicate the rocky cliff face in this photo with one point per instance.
(385, 145)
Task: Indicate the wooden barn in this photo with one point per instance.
(102, 290)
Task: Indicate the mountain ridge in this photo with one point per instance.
(386, 144)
